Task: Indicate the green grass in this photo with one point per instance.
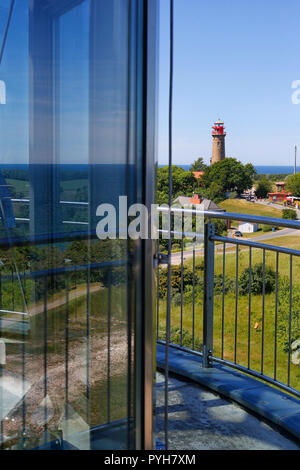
(73, 185)
(240, 206)
(242, 333)
(195, 317)
(77, 334)
(19, 186)
(257, 257)
(292, 241)
(70, 188)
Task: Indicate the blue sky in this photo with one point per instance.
(235, 60)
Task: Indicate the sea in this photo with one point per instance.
(262, 169)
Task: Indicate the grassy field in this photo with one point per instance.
(292, 241)
(240, 206)
(69, 188)
(237, 314)
(104, 403)
(242, 333)
(20, 186)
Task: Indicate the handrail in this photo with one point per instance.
(265, 372)
(45, 239)
(257, 375)
(75, 203)
(235, 216)
(68, 269)
(248, 243)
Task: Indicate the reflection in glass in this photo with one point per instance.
(68, 143)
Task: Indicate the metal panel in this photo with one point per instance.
(208, 303)
(144, 333)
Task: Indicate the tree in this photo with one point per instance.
(288, 318)
(215, 192)
(184, 183)
(263, 188)
(198, 165)
(293, 184)
(250, 170)
(220, 226)
(230, 175)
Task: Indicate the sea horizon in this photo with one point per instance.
(261, 169)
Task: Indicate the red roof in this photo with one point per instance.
(196, 199)
(198, 174)
(282, 193)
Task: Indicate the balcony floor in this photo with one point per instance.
(201, 420)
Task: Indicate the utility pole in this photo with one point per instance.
(295, 168)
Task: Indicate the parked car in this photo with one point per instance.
(238, 234)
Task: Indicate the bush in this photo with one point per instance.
(229, 285)
(187, 338)
(220, 226)
(188, 292)
(266, 228)
(264, 187)
(110, 277)
(176, 246)
(283, 331)
(176, 299)
(289, 214)
(176, 279)
(257, 280)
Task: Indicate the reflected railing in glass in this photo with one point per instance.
(64, 341)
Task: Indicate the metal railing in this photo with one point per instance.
(252, 331)
(25, 201)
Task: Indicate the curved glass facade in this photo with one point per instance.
(72, 137)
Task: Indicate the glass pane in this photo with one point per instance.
(69, 142)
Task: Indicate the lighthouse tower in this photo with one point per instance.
(218, 145)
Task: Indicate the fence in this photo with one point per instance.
(234, 301)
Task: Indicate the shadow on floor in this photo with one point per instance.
(199, 419)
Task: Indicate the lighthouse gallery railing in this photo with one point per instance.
(211, 315)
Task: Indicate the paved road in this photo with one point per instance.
(280, 233)
(176, 257)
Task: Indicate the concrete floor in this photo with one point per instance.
(202, 420)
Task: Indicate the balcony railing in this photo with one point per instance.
(26, 202)
(234, 301)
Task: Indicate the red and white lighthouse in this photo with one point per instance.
(218, 144)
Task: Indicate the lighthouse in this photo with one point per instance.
(218, 144)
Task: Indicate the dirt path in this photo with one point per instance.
(61, 300)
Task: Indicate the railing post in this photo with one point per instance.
(208, 301)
